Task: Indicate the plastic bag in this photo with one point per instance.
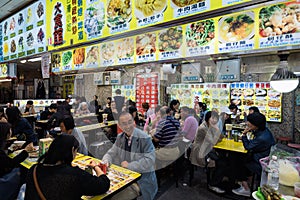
(289, 165)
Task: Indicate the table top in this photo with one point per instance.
(78, 116)
(29, 115)
(231, 145)
(119, 177)
(44, 121)
(96, 126)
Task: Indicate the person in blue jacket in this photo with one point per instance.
(258, 147)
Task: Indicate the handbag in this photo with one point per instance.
(36, 184)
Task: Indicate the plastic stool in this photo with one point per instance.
(283, 139)
(295, 146)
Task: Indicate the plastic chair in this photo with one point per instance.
(295, 146)
(283, 140)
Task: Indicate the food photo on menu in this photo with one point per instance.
(236, 27)
(118, 12)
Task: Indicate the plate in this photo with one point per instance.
(254, 195)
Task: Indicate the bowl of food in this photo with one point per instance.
(235, 28)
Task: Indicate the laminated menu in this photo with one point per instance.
(261, 95)
(119, 177)
(215, 95)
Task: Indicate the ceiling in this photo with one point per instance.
(9, 7)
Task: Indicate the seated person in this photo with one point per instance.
(67, 126)
(3, 117)
(9, 173)
(134, 150)
(167, 137)
(55, 118)
(259, 148)
(57, 179)
(236, 113)
(28, 109)
(207, 136)
(83, 109)
(21, 128)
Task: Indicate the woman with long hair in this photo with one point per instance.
(21, 128)
(57, 179)
(10, 181)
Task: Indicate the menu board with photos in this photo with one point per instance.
(200, 38)
(92, 56)
(128, 91)
(259, 94)
(107, 54)
(125, 50)
(236, 32)
(4, 70)
(279, 25)
(78, 58)
(149, 13)
(147, 89)
(146, 47)
(215, 95)
(24, 32)
(56, 62)
(119, 15)
(170, 43)
(66, 60)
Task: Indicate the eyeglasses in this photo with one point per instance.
(130, 122)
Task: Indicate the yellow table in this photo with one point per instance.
(42, 121)
(119, 177)
(96, 126)
(231, 145)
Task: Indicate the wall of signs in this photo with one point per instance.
(239, 31)
(24, 33)
(218, 96)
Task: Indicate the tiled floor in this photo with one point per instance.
(198, 190)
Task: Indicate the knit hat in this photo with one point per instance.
(258, 120)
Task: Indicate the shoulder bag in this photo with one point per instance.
(36, 184)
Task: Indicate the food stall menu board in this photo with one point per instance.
(147, 87)
(248, 94)
(282, 31)
(215, 95)
(127, 91)
(119, 177)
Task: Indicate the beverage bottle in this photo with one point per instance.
(38, 116)
(273, 173)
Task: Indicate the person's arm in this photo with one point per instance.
(158, 133)
(32, 110)
(93, 185)
(112, 152)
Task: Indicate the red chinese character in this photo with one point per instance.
(74, 10)
(58, 36)
(73, 2)
(74, 19)
(57, 21)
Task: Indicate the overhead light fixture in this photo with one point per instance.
(23, 61)
(35, 59)
(284, 80)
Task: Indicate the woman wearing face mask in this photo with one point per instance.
(55, 178)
